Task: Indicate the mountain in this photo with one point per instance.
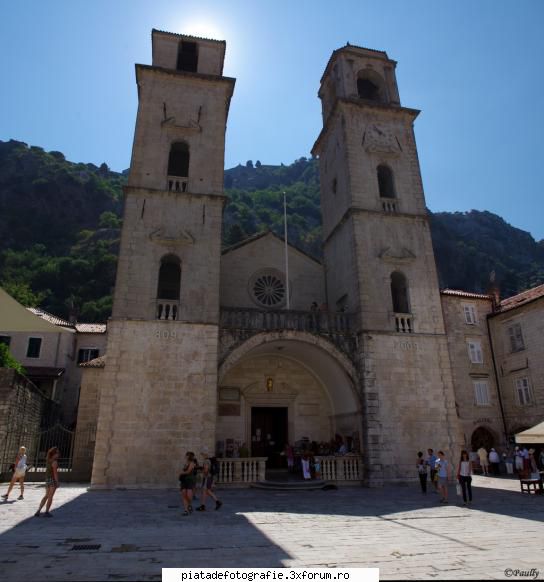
(60, 226)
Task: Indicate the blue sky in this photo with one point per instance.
(474, 68)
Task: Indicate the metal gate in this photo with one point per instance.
(57, 436)
(38, 443)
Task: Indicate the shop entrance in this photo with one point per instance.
(269, 434)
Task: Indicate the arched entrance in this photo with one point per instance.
(287, 387)
(482, 437)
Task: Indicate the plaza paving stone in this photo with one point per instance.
(404, 533)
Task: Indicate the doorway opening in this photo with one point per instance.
(269, 434)
(482, 437)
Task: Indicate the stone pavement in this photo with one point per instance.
(405, 534)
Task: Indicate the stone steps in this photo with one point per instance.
(313, 485)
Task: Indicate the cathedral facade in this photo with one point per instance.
(212, 348)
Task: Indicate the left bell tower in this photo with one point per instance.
(158, 398)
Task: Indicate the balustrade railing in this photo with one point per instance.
(404, 323)
(167, 310)
(241, 470)
(177, 184)
(244, 471)
(389, 205)
(326, 322)
(341, 468)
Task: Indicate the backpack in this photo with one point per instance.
(214, 466)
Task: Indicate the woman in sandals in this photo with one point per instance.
(187, 481)
(19, 472)
(51, 481)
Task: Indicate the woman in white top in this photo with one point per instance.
(19, 473)
(464, 476)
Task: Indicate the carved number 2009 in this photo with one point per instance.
(165, 334)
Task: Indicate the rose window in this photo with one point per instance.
(269, 290)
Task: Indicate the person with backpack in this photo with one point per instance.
(210, 468)
(187, 480)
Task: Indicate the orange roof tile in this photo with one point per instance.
(465, 294)
(521, 298)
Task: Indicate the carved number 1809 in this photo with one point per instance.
(165, 334)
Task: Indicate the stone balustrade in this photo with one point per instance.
(177, 184)
(167, 309)
(241, 471)
(341, 468)
(389, 205)
(404, 323)
(326, 322)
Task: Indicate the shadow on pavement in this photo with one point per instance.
(139, 532)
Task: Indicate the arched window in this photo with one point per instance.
(367, 90)
(169, 278)
(399, 293)
(178, 161)
(370, 86)
(385, 182)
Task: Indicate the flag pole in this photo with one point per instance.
(286, 250)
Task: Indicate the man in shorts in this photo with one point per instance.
(208, 474)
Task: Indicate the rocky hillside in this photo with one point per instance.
(60, 224)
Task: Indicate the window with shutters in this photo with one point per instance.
(516, 338)
(475, 352)
(481, 393)
(470, 313)
(523, 391)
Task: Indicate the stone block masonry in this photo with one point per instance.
(158, 401)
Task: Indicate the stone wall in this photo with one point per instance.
(158, 401)
(409, 403)
(167, 223)
(87, 420)
(525, 363)
(196, 110)
(165, 52)
(472, 415)
(306, 276)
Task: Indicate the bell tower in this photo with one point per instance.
(158, 399)
(380, 263)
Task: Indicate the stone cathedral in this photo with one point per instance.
(202, 351)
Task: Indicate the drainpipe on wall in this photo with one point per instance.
(497, 380)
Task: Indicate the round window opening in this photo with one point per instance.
(269, 290)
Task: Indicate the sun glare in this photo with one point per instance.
(203, 28)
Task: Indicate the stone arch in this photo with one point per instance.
(371, 86)
(483, 437)
(312, 380)
(314, 352)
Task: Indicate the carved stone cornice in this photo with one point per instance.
(170, 237)
(402, 255)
